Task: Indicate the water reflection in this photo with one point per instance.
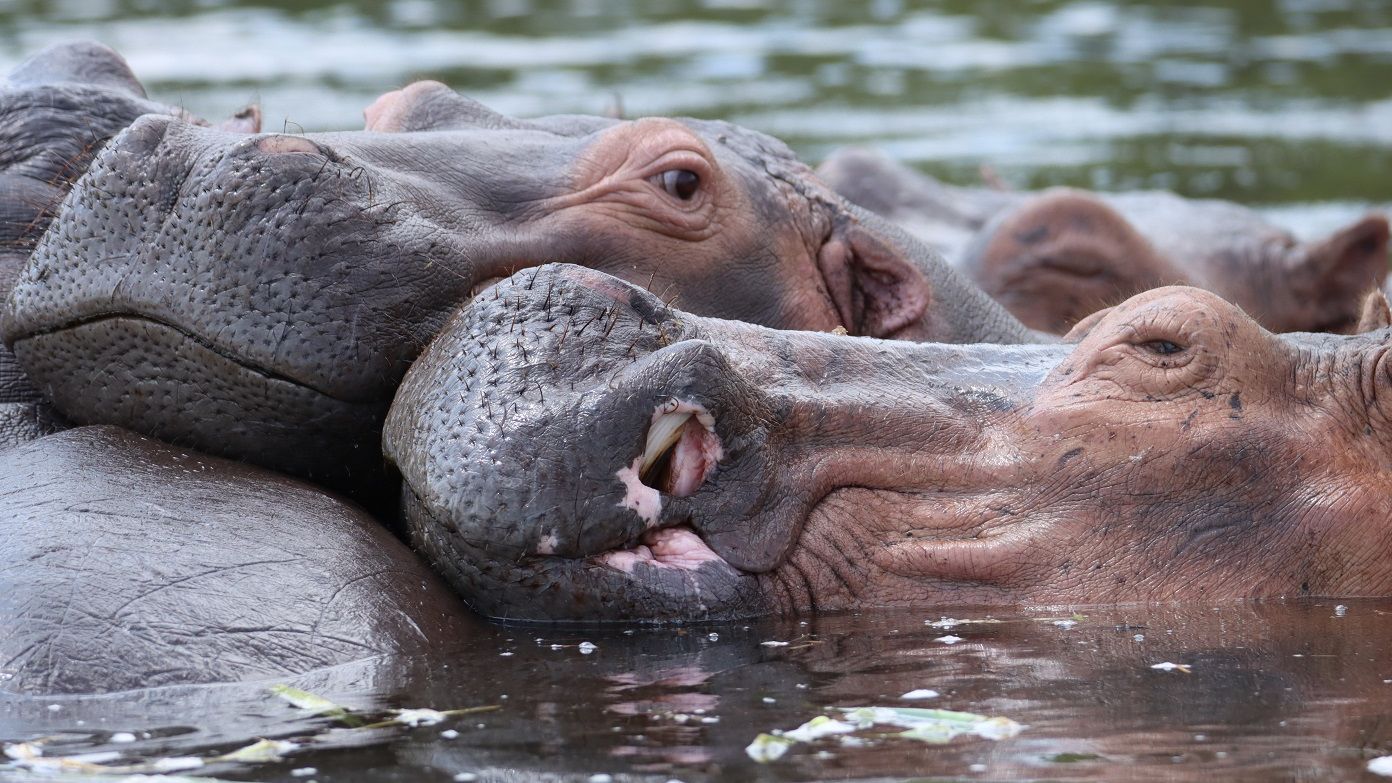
(1292, 690)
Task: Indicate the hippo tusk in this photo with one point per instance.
(664, 433)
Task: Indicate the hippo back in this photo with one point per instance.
(133, 564)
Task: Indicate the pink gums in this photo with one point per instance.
(672, 547)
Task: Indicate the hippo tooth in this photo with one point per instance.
(664, 433)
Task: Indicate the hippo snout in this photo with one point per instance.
(567, 427)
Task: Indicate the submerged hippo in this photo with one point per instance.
(56, 110)
(260, 297)
(1054, 257)
(133, 564)
(658, 465)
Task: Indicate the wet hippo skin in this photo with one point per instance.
(658, 465)
(260, 297)
(133, 564)
(57, 109)
(1055, 256)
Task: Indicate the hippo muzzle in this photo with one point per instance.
(574, 449)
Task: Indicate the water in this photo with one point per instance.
(1285, 104)
(1274, 691)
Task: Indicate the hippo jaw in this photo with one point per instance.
(1177, 451)
(659, 481)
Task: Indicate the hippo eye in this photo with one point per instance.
(1161, 347)
(680, 183)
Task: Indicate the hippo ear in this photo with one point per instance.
(82, 62)
(1351, 261)
(876, 288)
(1377, 314)
(432, 106)
(247, 120)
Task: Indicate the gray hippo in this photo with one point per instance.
(666, 466)
(1055, 256)
(132, 564)
(259, 297)
(56, 110)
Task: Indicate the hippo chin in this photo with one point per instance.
(260, 297)
(133, 564)
(1056, 256)
(57, 109)
(573, 448)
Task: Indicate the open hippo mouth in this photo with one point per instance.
(573, 449)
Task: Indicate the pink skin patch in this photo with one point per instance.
(671, 547)
(280, 145)
(643, 499)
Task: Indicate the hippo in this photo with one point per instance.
(1055, 256)
(133, 564)
(56, 110)
(260, 297)
(573, 448)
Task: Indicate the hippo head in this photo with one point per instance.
(1063, 254)
(261, 296)
(574, 449)
(56, 110)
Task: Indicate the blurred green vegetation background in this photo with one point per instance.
(1285, 104)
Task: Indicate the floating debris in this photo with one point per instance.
(1340, 610)
(818, 727)
(952, 622)
(935, 725)
(1172, 667)
(260, 752)
(921, 693)
(768, 747)
(587, 647)
(1065, 624)
(922, 725)
(121, 737)
(418, 717)
(1382, 765)
(773, 643)
(23, 751)
(313, 702)
(949, 639)
(182, 763)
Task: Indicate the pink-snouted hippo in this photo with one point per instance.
(573, 448)
(1055, 256)
(261, 296)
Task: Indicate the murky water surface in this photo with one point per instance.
(1297, 691)
(1282, 103)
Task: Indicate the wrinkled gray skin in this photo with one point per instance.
(260, 297)
(509, 429)
(1053, 257)
(1176, 452)
(57, 109)
(133, 564)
